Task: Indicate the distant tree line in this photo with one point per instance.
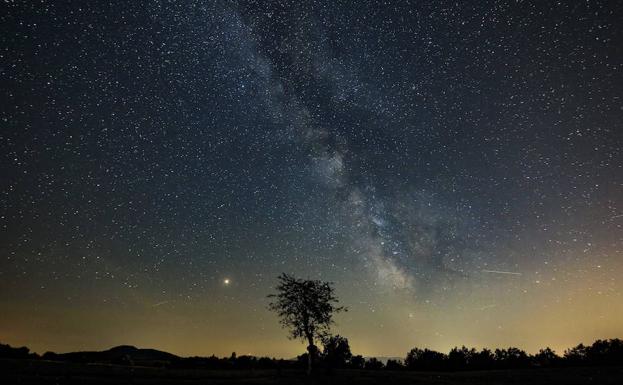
(234, 362)
(600, 353)
(336, 354)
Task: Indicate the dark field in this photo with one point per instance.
(47, 372)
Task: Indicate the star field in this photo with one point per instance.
(456, 169)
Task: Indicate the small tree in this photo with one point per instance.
(357, 362)
(336, 352)
(306, 308)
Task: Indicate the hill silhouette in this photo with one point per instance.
(123, 354)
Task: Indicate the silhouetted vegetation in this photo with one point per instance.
(232, 363)
(357, 362)
(418, 359)
(6, 351)
(392, 364)
(601, 352)
(336, 354)
(373, 364)
(306, 308)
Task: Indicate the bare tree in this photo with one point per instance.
(306, 308)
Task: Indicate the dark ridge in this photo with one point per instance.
(123, 354)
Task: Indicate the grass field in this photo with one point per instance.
(47, 372)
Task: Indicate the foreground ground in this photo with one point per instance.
(47, 372)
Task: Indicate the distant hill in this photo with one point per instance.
(123, 354)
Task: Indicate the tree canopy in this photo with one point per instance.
(306, 308)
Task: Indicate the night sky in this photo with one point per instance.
(455, 168)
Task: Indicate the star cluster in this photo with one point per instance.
(455, 168)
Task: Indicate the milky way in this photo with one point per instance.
(456, 169)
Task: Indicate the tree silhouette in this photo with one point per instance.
(545, 358)
(607, 352)
(511, 358)
(357, 362)
(576, 355)
(418, 359)
(461, 358)
(336, 352)
(373, 363)
(393, 364)
(306, 308)
(482, 360)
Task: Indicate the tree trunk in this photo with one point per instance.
(311, 350)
